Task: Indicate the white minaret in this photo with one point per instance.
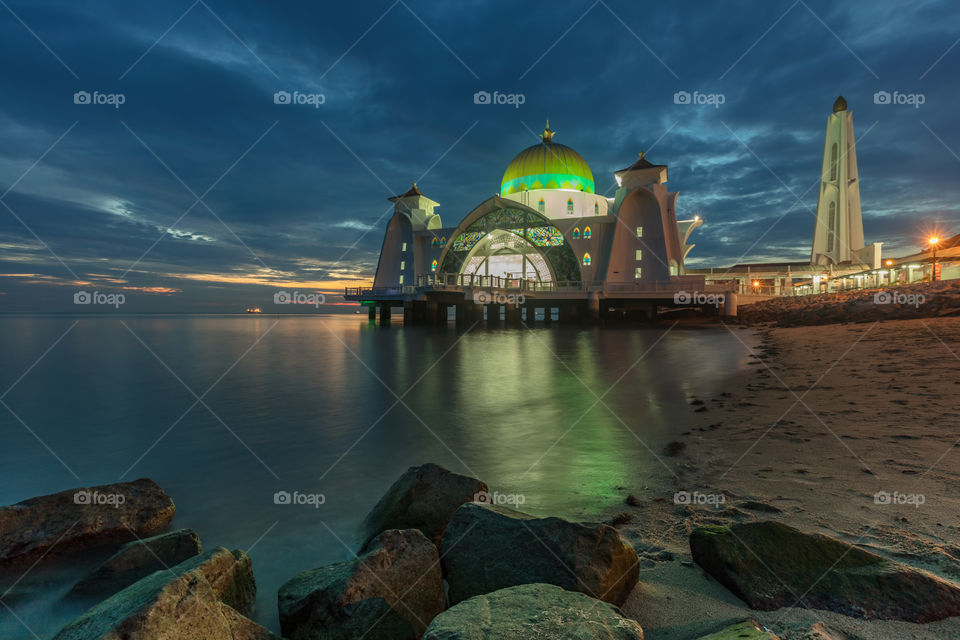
(838, 235)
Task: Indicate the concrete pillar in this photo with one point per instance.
(384, 313)
(407, 312)
(569, 312)
(513, 315)
(593, 306)
(372, 312)
(730, 304)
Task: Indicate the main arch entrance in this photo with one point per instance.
(511, 242)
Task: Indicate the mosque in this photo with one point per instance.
(548, 236)
(548, 244)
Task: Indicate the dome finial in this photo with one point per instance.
(547, 135)
(840, 104)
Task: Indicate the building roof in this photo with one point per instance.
(547, 165)
(412, 191)
(840, 104)
(642, 163)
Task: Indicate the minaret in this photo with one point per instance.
(838, 234)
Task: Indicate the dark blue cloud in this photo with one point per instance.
(298, 194)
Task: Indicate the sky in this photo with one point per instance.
(149, 153)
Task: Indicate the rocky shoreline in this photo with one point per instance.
(440, 562)
(902, 302)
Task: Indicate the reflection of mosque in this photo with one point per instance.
(547, 234)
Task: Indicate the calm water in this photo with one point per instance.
(310, 404)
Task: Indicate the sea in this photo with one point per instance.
(278, 434)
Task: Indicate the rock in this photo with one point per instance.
(746, 630)
(82, 518)
(769, 565)
(391, 592)
(486, 548)
(422, 498)
(139, 559)
(533, 612)
(203, 598)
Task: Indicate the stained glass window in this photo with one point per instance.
(545, 236)
(586, 259)
(596, 208)
(434, 242)
(569, 205)
(587, 233)
(433, 267)
(576, 233)
(467, 239)
(542, 205)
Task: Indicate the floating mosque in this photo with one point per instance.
(548, 246)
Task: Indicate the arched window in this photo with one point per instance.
(596, 208)
(433, 267)
(434, 242)
(569, 205)
(833, 161)
(541, 206)
(832, 225)
(575, 233)
(443, 239)
(586, 259)
(587, 233)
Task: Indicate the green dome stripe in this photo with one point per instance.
(547, 181)
(544, 163)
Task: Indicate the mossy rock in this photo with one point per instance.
(746, 630)
(771, 565)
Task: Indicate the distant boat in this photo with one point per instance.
(254, 310)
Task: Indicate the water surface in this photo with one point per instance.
(332, 405)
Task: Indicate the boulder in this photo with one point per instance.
(746, 630)
(391, 592)
(488, 547)
(82, 518)
(769, 565)
(203, 598)
(533, 612)
(423, 498)
(138, 559)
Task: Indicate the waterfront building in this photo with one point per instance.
(547, 233)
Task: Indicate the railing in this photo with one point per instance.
(471, 280)
(372, 291)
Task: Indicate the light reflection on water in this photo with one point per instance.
(560, 414)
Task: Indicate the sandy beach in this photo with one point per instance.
(846, 430)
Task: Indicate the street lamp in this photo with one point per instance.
(934, 242)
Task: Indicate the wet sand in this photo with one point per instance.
(849, 430)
